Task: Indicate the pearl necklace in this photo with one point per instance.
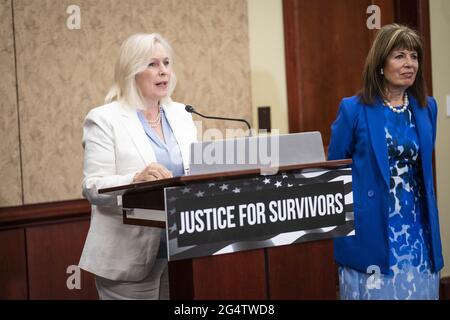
(155, 123)
(398, 110)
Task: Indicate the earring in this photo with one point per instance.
(381, 71)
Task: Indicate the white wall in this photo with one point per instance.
(268, 74)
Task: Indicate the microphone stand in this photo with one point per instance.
(191, 109)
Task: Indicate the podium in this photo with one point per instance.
(302, 269)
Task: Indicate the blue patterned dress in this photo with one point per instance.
(410, 262)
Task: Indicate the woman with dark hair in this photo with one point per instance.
(389, 131)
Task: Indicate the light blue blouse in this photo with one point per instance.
(167, 154)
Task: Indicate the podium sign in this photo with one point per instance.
(214, 218)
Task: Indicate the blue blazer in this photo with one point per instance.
(358, 133)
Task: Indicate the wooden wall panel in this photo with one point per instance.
(326, 46)
(387, 10)
(240, 275)
(444, 290)
(51, 249)
(416, 14)
(302, 271)
(325, 65)
(13, 265)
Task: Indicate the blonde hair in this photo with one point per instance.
(134, 57)
(391, 37)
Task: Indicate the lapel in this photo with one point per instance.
(423, 126)
(375, 122)
(178, 130)
(134, 128)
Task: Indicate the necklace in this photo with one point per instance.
(156, 122)
(398, 110)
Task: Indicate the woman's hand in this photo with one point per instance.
(154, 171)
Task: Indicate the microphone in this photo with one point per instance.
(191, 109)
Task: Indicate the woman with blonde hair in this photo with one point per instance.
(139, 135)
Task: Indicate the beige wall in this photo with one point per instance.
(10, 187)
(265, 21)
(77, 65)
(440, 50)
(63, 73)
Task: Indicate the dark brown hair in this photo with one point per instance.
(391, 37)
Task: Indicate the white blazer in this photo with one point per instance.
(116, 147)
